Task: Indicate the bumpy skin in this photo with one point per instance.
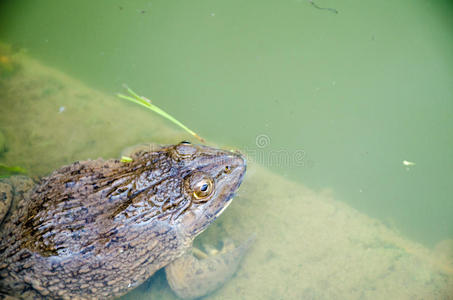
(97, 229)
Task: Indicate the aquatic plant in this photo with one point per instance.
(143, 101)
(6, 171)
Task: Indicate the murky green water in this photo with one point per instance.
(328, 100)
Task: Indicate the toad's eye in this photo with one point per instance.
(203, 188)
(227, 169)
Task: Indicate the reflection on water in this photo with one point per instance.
(324, 100)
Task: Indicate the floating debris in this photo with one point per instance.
(126, 159)
(408, 163)
(332, 10)
(143, 101)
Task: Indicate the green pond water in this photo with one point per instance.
(359, 101)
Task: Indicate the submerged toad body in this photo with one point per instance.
(98, 229)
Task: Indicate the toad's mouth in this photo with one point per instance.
(232, 193)
(227, 203)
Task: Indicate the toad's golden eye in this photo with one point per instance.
(203, 188)
(227, 169)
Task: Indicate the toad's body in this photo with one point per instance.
(98, 229)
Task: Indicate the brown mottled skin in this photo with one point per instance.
(97, 229)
